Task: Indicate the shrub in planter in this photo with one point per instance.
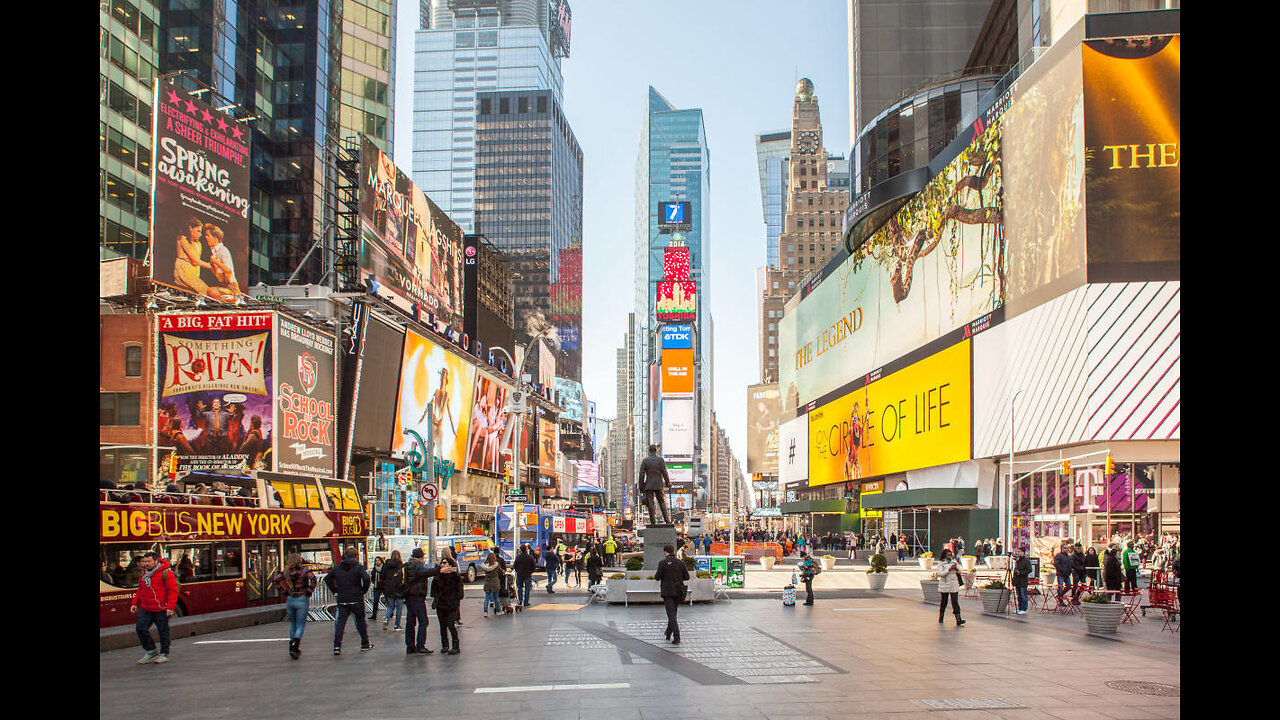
(995, 596)
(929, 588)
(926, 561)
(1101, 613)
(878, 574)
(635, 563)
(616, 576)
(689, 564)
(702, 575)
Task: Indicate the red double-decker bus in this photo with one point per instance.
(225, 533)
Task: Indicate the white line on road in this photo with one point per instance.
(219, 642)
(862, 609)
(537, 688)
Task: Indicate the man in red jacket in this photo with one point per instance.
(157, 597)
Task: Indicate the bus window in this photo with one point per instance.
(350, 501)
(226, 561)
(306, 496)
(315, 553)
(122, 563)
(192, 563)
(285, 489)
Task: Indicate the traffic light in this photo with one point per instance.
(1110, 467)
(1066, 468)
(173, 465)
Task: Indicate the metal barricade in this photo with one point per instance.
(324, 606)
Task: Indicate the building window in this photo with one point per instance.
(119, 408)
(133, 361)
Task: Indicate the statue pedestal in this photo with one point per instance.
(656, 536)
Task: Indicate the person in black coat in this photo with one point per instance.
(446, 591)
(671, 575)
(1092, 566)
(1112, 572)
(595, 569)
(524, 566)
(1021, 577)
(1062, 567)
(376, 581)
(1078, 576)
(349, 581)
(416, 576)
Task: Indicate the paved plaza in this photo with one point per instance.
(861, 655)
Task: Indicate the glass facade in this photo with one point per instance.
(1139, 499)
(368, 71)
(772, 151)
(528, 203)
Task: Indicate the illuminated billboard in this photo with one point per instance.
(677, 337)
(762, 429)
(437, 389)
(570, 398)
(677, 372)
(677, 427)
(677, 300)
(793, 450)
(488, 425)
(674, 215)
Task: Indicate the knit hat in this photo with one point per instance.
(417, 552)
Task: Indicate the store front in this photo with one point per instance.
(928, 517)
(1139, 499)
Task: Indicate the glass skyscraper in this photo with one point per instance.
(368, 71)
(772, 151)
(469, 47)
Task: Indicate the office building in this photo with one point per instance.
(368, 71)
(772, 151)
(466, 47)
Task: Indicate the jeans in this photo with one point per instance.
(955, 604)
(161, 620)
(415, 629)
(490, 597)
(1022, 598)
(356, 611)
(1131, 579)
(673, 627)
(296, 608)
(396, 605)
(808, 591)
(524, 587)
(551, 578)
(448, 627)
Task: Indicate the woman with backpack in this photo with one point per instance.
(393, 588)
(296, 582)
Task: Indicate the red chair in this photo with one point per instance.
(1165, 599)
(1132, 600)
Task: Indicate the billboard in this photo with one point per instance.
(547, 446)
(570, 398)
(546, 366)
(588, 476)
(677, 427)
(305, 377)
(407, 243)
(677, 337)
(674, 215)
(215, 404)
(680, 474)
(439, 384)
(381, 348)
(914, 418)
(793, 450)
(676, 263)
(1132, 129)
(488, 425)
(762, 429)
(677, 300)
(677, 372)
(934, 266)
(199, 197)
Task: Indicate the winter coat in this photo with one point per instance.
(1022, 571)
(671, 574)
(1112, 573)
(1062, 566)
(949, 580)
(1077, 563)
(302, 580)
(162, 591)
(392, 579)
(445, 589)
(416, 575)
(348, 581)
(524, 565)
(492, 578)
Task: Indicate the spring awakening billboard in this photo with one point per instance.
(199, 197)
(407, 243)
(214, 375)
(937, 264)
(305, 394)
(435, 398)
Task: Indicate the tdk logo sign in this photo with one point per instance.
(677, 336)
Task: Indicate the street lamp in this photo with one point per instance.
(1008, 486)
(515, 453)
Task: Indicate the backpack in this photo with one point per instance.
(394, 581)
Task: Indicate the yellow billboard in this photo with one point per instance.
(916, 417)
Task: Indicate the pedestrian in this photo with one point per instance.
(610, 551)
(296, 583)
(959, 546)
(1112, 571)
(1078, 577)
(949, 585)
(671, 575)
(553, 565)
(1091, 566)
(1062, 566)
(575, 563)
(375, 577)
(393, 588)
(416, 576)
(446, 591)
(595, 569)
(1129, 559)
(524, 566)
(807, 569)
(492, 585)
(1021, 578)
(154, 603)
(349, 581)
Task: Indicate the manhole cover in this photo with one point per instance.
(1144, 688)
(969, 704)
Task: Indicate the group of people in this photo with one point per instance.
(218, 493)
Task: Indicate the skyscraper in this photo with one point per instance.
(470, 46)
(772, 151)
(368, 71)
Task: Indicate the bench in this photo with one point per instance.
(644, 589)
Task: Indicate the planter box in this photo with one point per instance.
(701, 589)
(926, 563)
(877, 580)
(968, 563)
(827, 563)
(930, 590)
(1102, 618)
(994, 601)
(768, 561)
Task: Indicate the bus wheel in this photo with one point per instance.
(471, 573)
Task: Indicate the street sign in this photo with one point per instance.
(429, 492)
(517, 497)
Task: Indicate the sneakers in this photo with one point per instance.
(417, 651)
(384, 625)
(149, 657)
(397, 628)
(454, 651)
(337, 649)
(366, 647)
(161, 658)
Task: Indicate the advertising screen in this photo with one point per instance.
(678, 337)
(914, 418)
(305, 389)
(677, 372)
(382, 350)
(674, 215)
(676, 263)
(436, 393)
(762, 429)
(793, 450)
(199, 197)
(677, 427)
(677, 300)
(546, 366)
(680, 474)
(214, 374)
(934, 266)
(407, 243)
(588, 475)
(570, 398)
(488, 425)
(547, 445)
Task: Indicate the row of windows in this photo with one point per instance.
(367, 17)
(366, 87)
(119, 408)
(482, 39)
(123, 240)
(124, 195)
(368, 123)
(506, 107)
(123, 102)
(126, 13)
(124, 149)
(114, 49)
(368, 53)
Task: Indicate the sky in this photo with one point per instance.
(737, 60)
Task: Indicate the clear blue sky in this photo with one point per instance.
(738, 61)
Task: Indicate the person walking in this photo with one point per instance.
(654, 484)
(446, 591)
(807, 569)
(1021, 578)
(574, 562)
(375, 577)
(524, 566)
(949, 585)
(1078, 577)
(671, 576)
(1062, 566)
(296, 583)
(492, 585)
(1092, 567)
(610, 551)
(154, 603)
(349, 581)
(416, 576)
(595, 569)
(1130, 560)
(393, 588)
(1112, 571)
(553, 565)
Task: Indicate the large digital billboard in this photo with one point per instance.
(936, 265)
(570, 398)
(793, 450)
(305, 379)
(407, 243)
(917, 417)
(677, 337)
(199, 197)
(762, 429)
(435, 398)
(488, 425)
(214, 372)
(677, 300)
(547, 446)
(677, 372)
(677, 428)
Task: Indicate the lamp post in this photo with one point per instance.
(1008, 486)
(515, 454)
